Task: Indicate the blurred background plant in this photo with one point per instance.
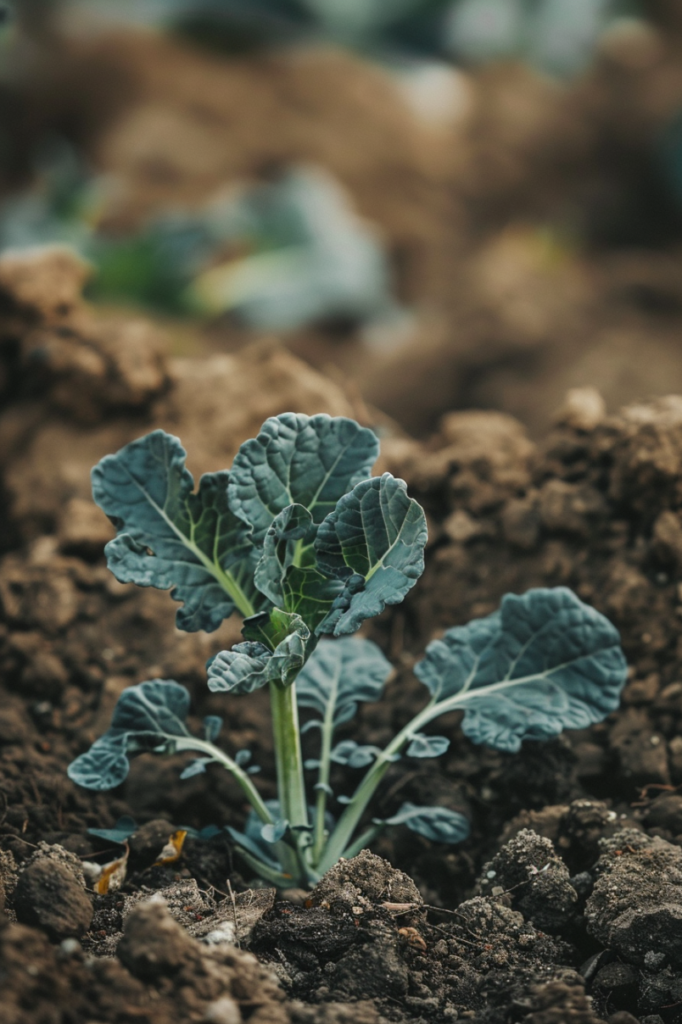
(558, 36)
(449, 200)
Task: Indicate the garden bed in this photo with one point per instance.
(569, 886)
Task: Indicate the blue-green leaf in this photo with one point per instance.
(289, 530)
(543, 663)
(377, 533)
(206, 833)
(252, 664)
(439, 824)
(355, 756)
(196, 767)
(122, 830)
(253, 846)
(272, 833)
(339, 674)
(241, 670)
(427, 746)
(252, 839)
(171, 538)
(271, 627)
(212, 726)
(310, 594)
(303, 460)
(150, 716)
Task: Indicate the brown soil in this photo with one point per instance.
(596, 505)
(529, 230)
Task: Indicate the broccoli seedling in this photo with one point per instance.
(301, 541)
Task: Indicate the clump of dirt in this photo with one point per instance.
(160, 974)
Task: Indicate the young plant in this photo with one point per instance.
(301, 541)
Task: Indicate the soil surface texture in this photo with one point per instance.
(565, 905)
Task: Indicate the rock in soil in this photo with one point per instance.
(636, 904)
(538, 881)
(153, 944)
(50, 894)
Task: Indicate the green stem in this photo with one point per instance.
(250, 791)
(289, 859)
(288, 754)
(350, 818)
(323, 777)
(230, 585)
(342, 834)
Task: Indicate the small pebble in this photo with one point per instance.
(223, 1011)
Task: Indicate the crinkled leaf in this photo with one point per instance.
(427, 746)
(212, 726)
(543, 663)
(341, 604)
(150, 716)
(378, 533)
(270, 628)
(157, 707)
(311, 595)
(122, 830)
(339, 674)
(439, 824)
(104, 766)
(241, 670)
(252, 664)
(289, 530)
(169, 537)
(289, 657)
(296, 459)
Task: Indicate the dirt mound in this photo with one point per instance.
(64, 367)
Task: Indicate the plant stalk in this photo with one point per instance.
(342, 834)
(323, 777)
(288, 754)
(348, 822)
(244, 780)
